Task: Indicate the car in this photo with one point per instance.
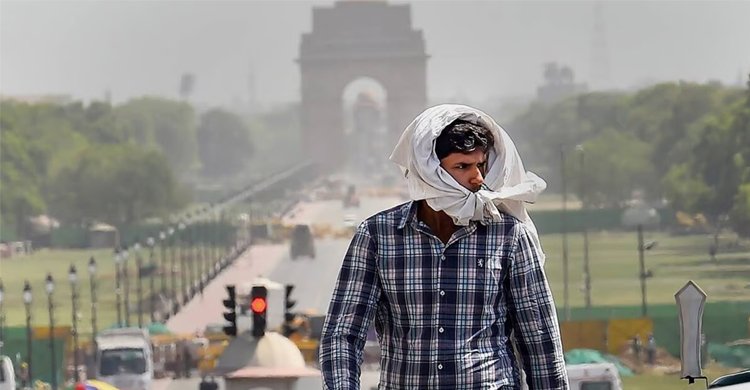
(302, 242)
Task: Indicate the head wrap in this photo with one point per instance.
(507, 186)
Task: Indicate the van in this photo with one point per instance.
(594, 376)
(125, 358)
(7, 374)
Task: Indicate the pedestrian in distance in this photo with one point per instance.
(454, 278)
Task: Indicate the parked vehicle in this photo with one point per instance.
(125, 358)
(594, 376)
(7, 374)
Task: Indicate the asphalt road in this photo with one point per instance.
(314, 278)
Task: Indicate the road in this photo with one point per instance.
(314, 278)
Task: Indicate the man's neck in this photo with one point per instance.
(439, 222)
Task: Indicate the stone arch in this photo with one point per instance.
(352, 40)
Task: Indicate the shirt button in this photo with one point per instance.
(442, 257)
(442, 293)
(441, 330)
(440, 366)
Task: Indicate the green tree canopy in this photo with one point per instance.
(224, 143)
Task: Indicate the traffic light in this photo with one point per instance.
(231, 314)
(258, 305)
(288, 327)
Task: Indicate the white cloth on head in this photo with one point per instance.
(507, 185)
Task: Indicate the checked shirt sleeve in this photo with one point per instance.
(350, 312)
(534, 318)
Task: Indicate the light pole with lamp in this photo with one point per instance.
(118, 286)
(163, 260)
(2, 314)
(126, 281)
(585, 230)
(183, 270)
(139, 282)
(153, 268)
(172, 264)
(27, 299)
(49, 286)
(94, 303)
(73, 279)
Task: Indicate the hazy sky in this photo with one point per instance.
(478, 50)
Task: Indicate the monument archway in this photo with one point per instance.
(352, 40)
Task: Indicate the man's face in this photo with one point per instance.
(468, 169)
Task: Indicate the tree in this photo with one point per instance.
(20, 197)
(224, 143)
(164, 124)
(116, 184)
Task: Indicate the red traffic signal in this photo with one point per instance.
(258, 305)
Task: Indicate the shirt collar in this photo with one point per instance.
(408, 212)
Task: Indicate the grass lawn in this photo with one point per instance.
(613, 259)
(34, 268)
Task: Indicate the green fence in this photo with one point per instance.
(722, 321)
(15, 347)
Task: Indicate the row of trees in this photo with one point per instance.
(114, 164)
(683, 142)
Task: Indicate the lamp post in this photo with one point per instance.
(73, 279)
(2, 314)
(49, 286)
(172, 270)
(584, 209)
(118, 287)
(563, 177)
(644, 274)
(27, 299)
(163, 260)
(92, 284)
(152, 267)
(183, 273)
(139, 282)
(126, 281)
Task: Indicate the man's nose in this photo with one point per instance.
(477, 178)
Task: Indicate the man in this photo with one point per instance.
(451, 277)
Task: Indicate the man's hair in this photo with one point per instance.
(461, 136)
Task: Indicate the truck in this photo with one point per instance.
(125, 358)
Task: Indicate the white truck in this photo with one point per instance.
(125, 359)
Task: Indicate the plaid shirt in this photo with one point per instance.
(443, 312)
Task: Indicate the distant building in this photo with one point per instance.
(559, 84)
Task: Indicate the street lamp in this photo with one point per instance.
(564, 222)
(172, 270)
(183, 273)
(73, 279)
(92, 285)
(118, 287)
(94, 303)
(27, 299)
(49, 286)
(586, 267)
(152, 267)
(126, 281)
(139, 281)
(2, 314)
(163, 260)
